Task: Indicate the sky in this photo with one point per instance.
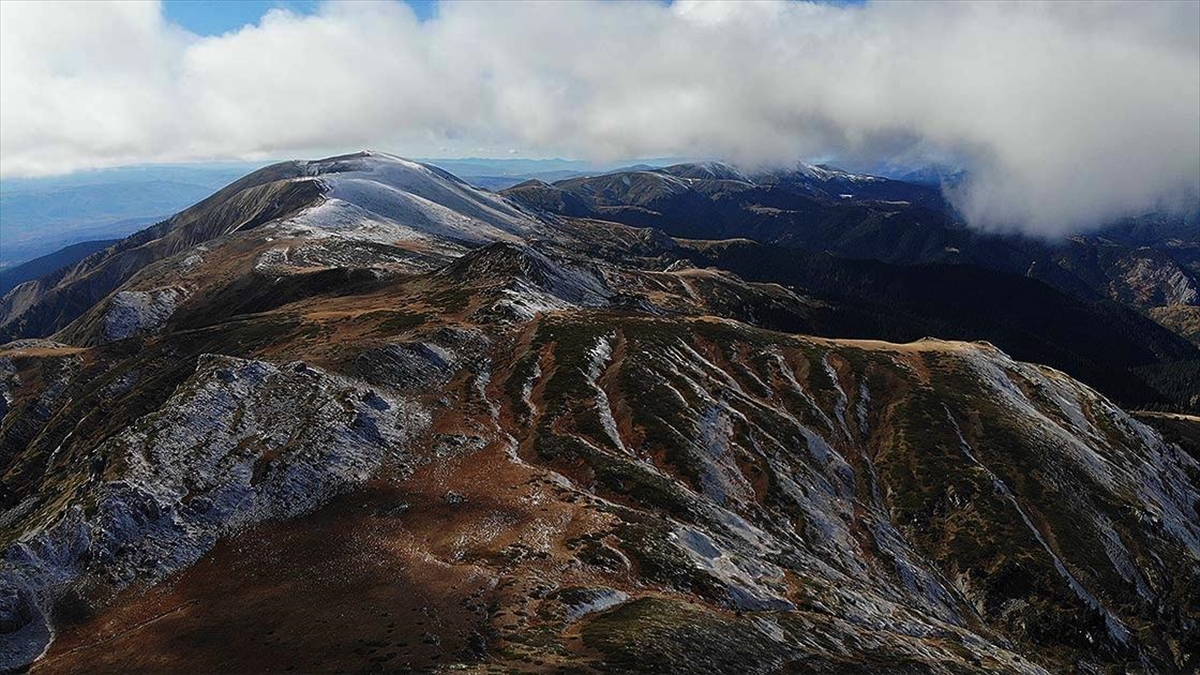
(1065, 115)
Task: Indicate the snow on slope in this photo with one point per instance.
(381, 197)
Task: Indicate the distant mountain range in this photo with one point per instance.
(498, 174)
(1149, 264)
(357, 413)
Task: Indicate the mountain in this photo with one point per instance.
(341, 193)
(47, 304)
(356, 414)
(1101, 343)
(809, 207)
(1145, 263)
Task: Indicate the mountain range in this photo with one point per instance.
(360, 414)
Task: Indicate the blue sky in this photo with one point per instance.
(214, 17)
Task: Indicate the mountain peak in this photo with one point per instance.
(706, 170)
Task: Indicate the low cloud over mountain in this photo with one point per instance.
(1064, 115)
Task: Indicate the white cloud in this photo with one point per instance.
(1065, 113)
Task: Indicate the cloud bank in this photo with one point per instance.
(1065, 114)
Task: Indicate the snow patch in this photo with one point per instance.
(132, 313)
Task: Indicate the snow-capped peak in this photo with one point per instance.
(402, 198)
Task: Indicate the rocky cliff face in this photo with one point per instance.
(334, 450)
